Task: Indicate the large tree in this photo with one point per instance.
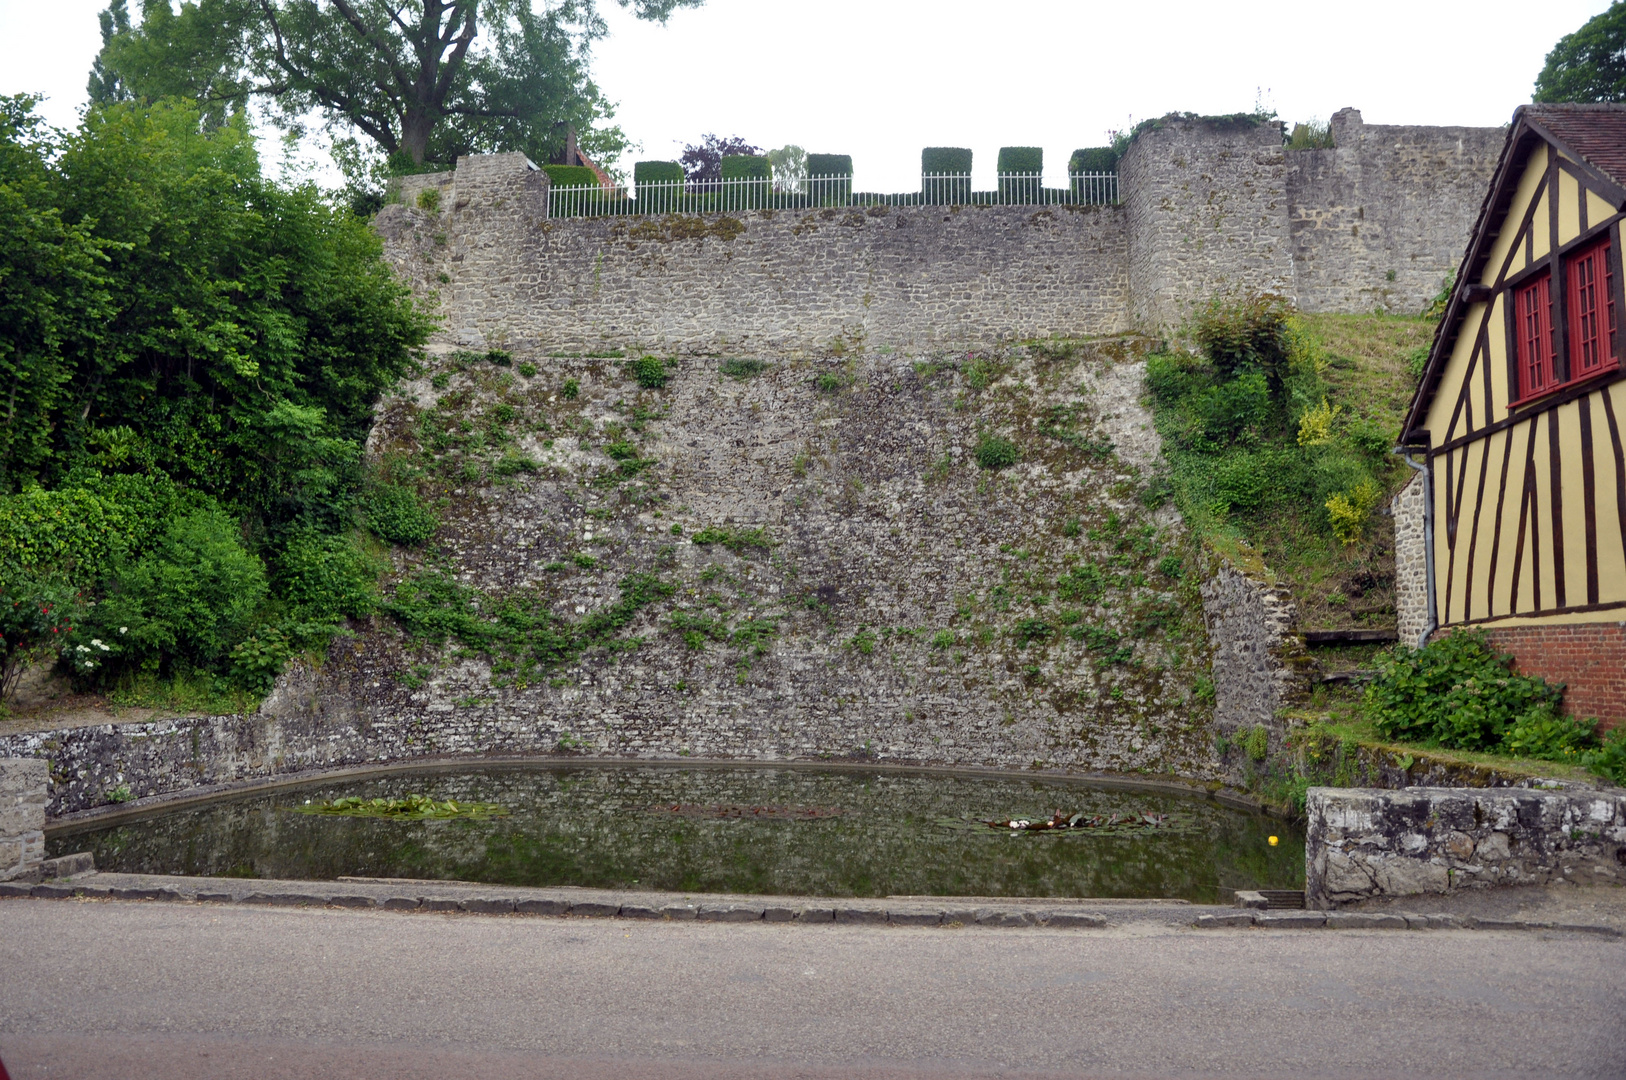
(422, 80)
(1590, 64)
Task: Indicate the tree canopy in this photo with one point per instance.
(423, 81)
(1590, 64)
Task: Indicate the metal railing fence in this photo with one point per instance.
(813, 192)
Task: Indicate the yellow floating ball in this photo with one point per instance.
(1272, 841)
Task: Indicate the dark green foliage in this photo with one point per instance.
(256, 662)
(746, 167)
(397, 514)
(1248, 336)
(1542, 733)
(1456, 692)
(1590, 64)
(1021, 159)
(570, 176)
(649, 371)
(829, 165)
(1314, 135)
(994, 452)
(1095, 159)
(185, 603)
(829, 381)
(76, 534)
(1084, 584)
(1257, 743)
(736, 540)
(570, 389)
(741, 369)
(37, 618)
(945, 161)
(1609, 760)
(433, 607)
(1029, 631)
(657, 172)
(326, 579)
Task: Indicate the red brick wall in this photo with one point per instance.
(1590, 658)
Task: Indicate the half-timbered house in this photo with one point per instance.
(1516, 522)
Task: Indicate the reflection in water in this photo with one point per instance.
(745, 829)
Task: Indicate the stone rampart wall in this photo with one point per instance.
(760, 282)
(1379, 220)
(22, 816)
(1363, 843)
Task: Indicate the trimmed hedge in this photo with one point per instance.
(657, 172)
(746, 167)
(1094, 159)
(1021, 159)
(945, 160)
(570, 176)
(829, 164)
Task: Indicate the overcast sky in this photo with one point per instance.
(879, 79)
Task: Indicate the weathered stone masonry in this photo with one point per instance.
(22, 816)
(1208, 207)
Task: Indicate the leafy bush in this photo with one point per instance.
(1095, 159)
(1456, 692)
(397, 514)
(657, 172)
(1609, 760)
(1021, 159)
(994, 452)
(1544, 733)
(256, 662)
(1348, 511)
(188, 601)
(1254, 334)
(945, 161)
(562, 176)
(1029, 631)
(326, 579)
(77, 533)
(37, 618)
(570, 389)
(1257, 743)
(749, 167)
(649, 372)
(429, 199)
(829, 164)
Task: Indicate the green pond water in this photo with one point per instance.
(739, 829)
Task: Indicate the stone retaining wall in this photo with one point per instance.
(1363, 843)
(1412, 612)
(1259, 662)
(22, 817)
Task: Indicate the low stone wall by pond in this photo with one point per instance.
(1363, 843)
(22, 817)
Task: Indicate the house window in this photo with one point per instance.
(1592, 311)
(1533, 312)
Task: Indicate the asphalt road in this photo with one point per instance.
(93, 989)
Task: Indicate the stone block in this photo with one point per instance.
(16, 888)
(680, 912)
(63, 866)
(225, 898)
(1213, 922)
(595, 910)
(345, 901)
(729, 913)
(778, 914)
(542, 907)
(816, 915)
(1364, 920)
(867, 915)
(1072, 920)
(915, 918)
(439, 903)
(1292, 920)
(401, 903)
(489, 905)
(640, 911)
(1003, 917)
(1251, 898)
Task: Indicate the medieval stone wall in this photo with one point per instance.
(1259, 661)
(1378, 221)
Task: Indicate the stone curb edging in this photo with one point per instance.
(494, 902)
(1362, 920)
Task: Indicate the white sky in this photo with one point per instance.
(879, 79)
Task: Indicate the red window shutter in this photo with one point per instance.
(1533, 310)
(1592, 311)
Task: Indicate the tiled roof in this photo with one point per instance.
(1596, 132)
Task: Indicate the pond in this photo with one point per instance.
(740, 829)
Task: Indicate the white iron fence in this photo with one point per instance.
(1013, 189)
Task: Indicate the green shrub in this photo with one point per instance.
(829, 165)
(1457, 692)
(740, 369)
(994, 452)
(1029, 631)
(1083, 584)
(325, 579)
(657, 172)
(570, 390)
(945, 161)
(1095, 159)
(570, 176)
(1609, 760)
(1550, 735)
(76, 534)
(527, 370)
(397, 514)
(37, 619)
(429, 199)
(256, 662)
(1253, 334)
(747, 167)
(1021, 159)
(189, 600)
(650, 373)
(1257, 743)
